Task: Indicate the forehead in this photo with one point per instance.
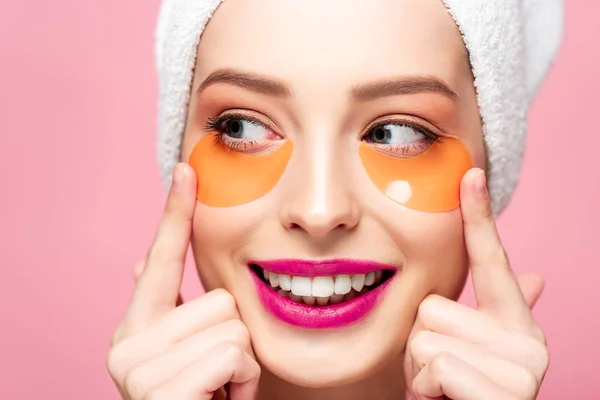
(315, 44)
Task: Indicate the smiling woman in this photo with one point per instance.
(331, 187)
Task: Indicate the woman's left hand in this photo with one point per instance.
(494, 352)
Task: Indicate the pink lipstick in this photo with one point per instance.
(288, 289)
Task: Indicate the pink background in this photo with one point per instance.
(81, 195)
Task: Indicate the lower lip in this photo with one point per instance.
(318, 317)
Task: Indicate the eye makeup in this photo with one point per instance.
(399, 137)
(241, 132)
(243, 159)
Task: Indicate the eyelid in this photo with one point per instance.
(402, 121)
(229, 115)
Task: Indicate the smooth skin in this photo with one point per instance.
(325, 205)
(163, 350)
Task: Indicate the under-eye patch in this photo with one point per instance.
(228, 178)
(427, 182)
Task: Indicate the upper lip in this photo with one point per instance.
(311, 268)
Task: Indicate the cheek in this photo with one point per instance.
(434, 251)
(217, 236)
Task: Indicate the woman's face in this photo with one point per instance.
(324, 207)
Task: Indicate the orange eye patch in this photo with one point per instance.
(228, 178)
(428, 182)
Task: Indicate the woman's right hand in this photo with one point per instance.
(162, 351)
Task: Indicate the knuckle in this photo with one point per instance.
(123, 331)
(529, 384)
(540, 351)
(160, 253)
(238, 332)
(537, 357)
(232, 352)
(135, 383)
(543, 357)
(116, 363)
(498, 254)
(539, 335)
(117, 336)
(153, 252)
(171, 204)
(418, 348)
(427, 308)
(223, 299)
(418, 344)
(415, 386)
(487, 213)
(441, 364)
(174, 211)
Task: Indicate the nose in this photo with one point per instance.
(322, 201)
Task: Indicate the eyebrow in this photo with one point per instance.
(247, 80)
(364, 92)
(402, 86)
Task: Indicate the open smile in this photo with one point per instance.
(320, 294)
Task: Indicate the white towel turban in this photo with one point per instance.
(511, 44)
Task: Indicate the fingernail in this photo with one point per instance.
(177, 176)
(480, 183)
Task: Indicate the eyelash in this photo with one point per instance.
(217, 125)
(418, 128)
(404, 149)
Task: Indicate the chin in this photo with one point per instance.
(330, 362)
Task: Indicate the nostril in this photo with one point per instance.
(293, 226)
(320, 227)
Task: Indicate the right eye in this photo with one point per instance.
(242, 133)
(394, 134)
(245, 129)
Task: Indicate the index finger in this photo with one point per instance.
(158, 287)
(496, 288)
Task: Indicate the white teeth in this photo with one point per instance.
(370, 279)
(301, 286)
(343, 284)
(274, 279)
(322, 286)
(322, 300)
(336, 298)
(322, 290)
(358, 281)
(285, 282)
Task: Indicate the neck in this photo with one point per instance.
(387, 384)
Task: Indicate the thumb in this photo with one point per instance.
(532, 286)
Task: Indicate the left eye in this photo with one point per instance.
(245, 129)
(394, 134)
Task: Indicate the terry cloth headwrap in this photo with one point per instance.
(511, 45)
